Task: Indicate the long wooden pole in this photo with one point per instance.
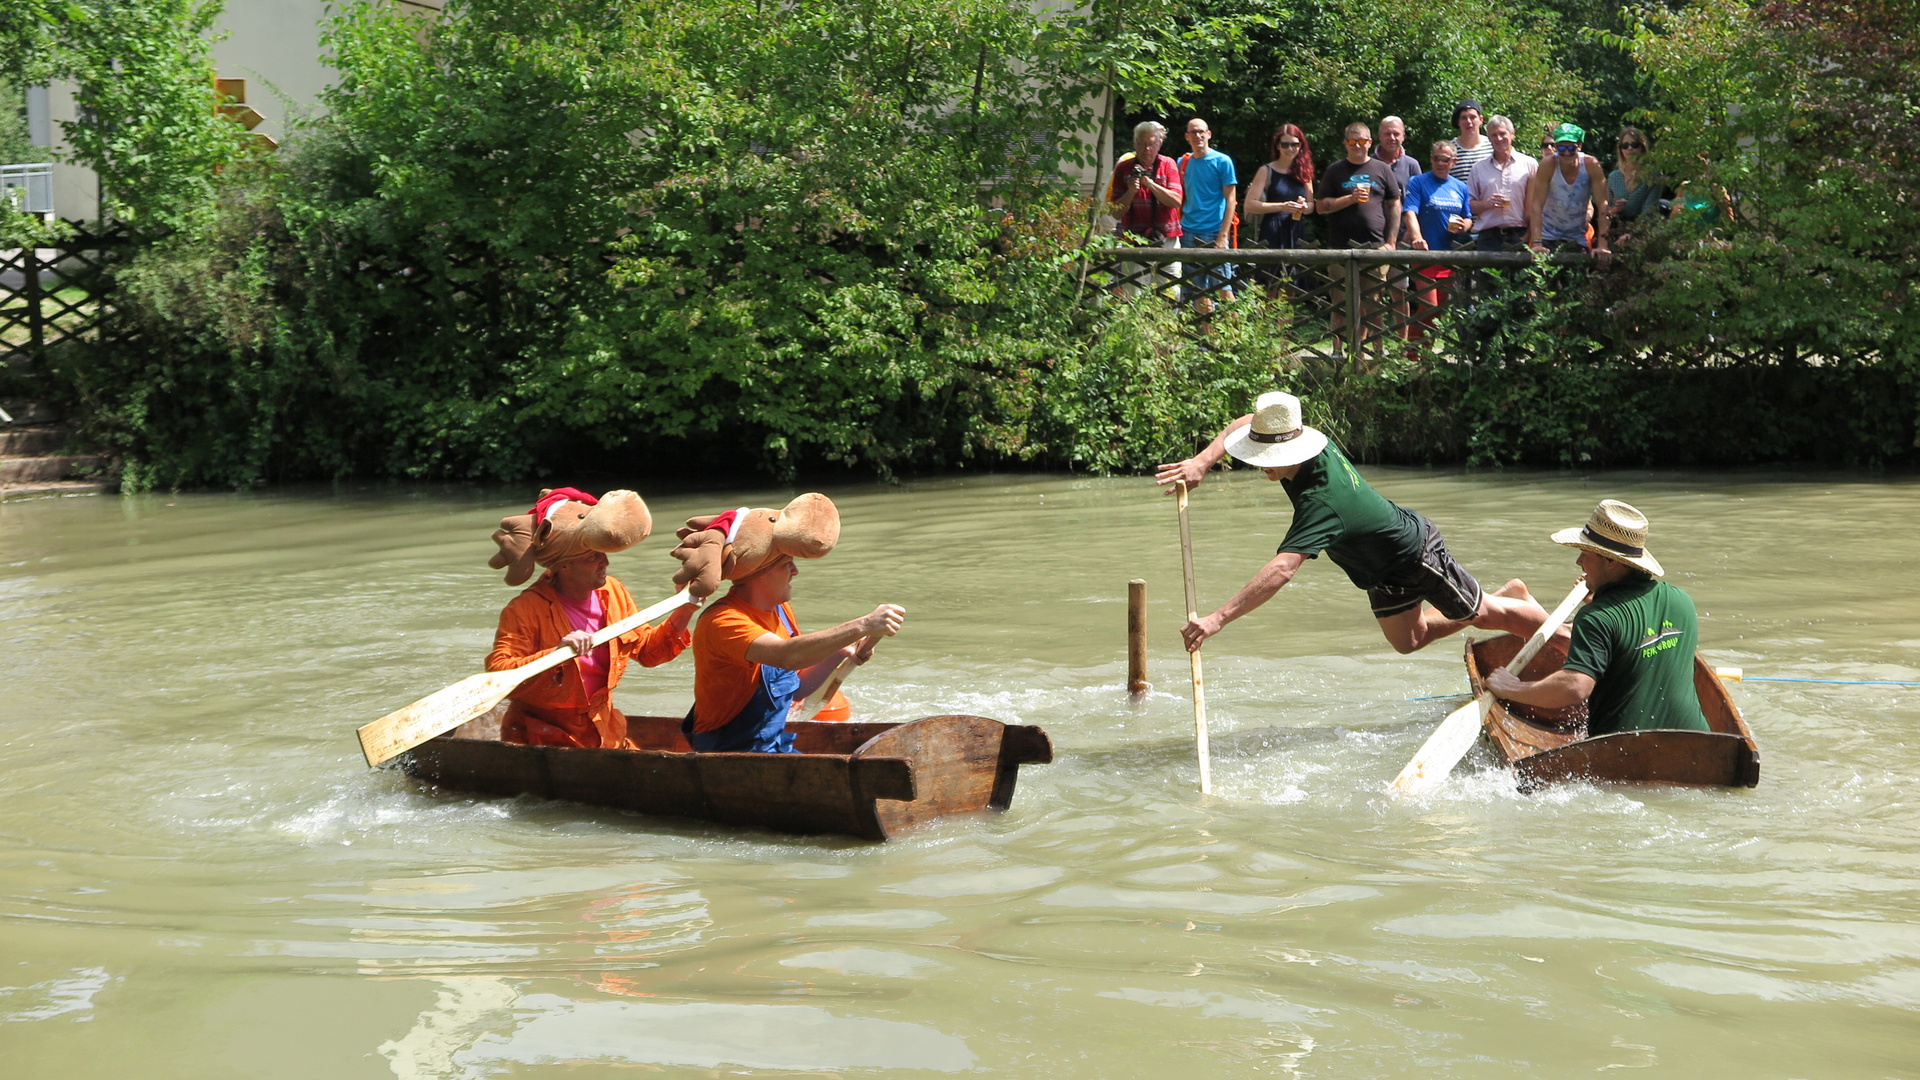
(1199, 687)
(1136, 637)
(1461, 729)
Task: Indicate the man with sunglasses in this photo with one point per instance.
(1361, 197)
(1558, 200)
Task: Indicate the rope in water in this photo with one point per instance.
(1837, 682)
(1744, 678)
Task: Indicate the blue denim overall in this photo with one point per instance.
(761, 727)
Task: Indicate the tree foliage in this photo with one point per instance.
(143, 78)
(770, 235)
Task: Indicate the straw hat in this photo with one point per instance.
(1276, 438)
(1617, 531)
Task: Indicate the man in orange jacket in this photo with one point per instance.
(568, 532)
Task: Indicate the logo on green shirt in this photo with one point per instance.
(1656, 642)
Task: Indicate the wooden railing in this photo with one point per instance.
(1344, 304)
(50, 296)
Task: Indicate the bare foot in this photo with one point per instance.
(1514, 590)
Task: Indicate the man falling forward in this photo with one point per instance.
(1418, 592)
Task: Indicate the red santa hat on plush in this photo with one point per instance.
(565, 523)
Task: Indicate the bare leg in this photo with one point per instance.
(1510, 608)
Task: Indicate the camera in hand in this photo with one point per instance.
(1139, 171)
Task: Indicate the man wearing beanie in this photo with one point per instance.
(1470, 148)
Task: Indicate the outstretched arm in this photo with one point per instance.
(1268, 581)
(1194, 469)
(802, 652)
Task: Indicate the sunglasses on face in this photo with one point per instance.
(1633, 146)
(1288, 145)
(1359, 142)
(1565, 147)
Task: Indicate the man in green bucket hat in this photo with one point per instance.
(1562, 192)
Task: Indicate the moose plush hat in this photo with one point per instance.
(565, 523)
(740, 543)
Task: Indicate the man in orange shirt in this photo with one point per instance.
(572, 705)
(751, 663)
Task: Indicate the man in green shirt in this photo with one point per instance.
(1631, 656)
(1418, 592)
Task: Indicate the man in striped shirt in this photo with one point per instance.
(1471, 148)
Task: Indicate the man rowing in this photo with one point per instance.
(1418, 592)
(1631, 655)
(570, 533)
(751, 663)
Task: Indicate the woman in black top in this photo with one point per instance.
(1282, 193)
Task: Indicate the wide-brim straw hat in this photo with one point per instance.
(1276, 438)
(1617, 531)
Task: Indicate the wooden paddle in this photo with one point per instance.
(1456, 734)
(403, 729)
(1199, 690)
(823, 693)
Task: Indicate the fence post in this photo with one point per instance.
(1137, 637)
(36, 327)
(1356, 339)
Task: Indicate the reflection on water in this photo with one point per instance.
(199, 877)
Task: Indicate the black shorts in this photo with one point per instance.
(1435, 577)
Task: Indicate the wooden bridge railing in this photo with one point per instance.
(1344, 303)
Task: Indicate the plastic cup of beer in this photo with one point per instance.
(1456, 223)
(1363, 191)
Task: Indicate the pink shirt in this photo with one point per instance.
(591, 617)
(1490, 176)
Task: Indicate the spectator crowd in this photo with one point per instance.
(1480, 191)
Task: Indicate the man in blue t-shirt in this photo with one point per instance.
(1211, 184)
(1436, 210)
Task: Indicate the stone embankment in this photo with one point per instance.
(32, 464)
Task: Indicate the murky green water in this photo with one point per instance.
(199, 877)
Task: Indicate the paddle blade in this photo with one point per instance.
(1444, 748)
(441, 711)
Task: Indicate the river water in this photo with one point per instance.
(199, 877)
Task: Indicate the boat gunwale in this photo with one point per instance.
(1540, 754)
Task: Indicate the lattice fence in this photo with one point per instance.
(1356, 306)
(52, 296)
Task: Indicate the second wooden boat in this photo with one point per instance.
(865, 780)
(1545, 746)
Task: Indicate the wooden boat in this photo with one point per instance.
(1545, 746)
(865, 780)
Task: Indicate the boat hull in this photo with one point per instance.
(1547, 746)
(864, 780)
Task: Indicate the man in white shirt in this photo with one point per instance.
(1498, 189)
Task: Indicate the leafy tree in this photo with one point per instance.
(1793, 116)
(144, 82)
(16, 146)
(1325, 63)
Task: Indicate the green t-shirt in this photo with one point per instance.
(1336, 512)
(1637, 640)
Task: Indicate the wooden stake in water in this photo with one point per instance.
(1199, 689)
(1136, 637)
